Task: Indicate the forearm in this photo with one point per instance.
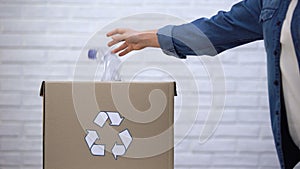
(211, 36)
(149, 38)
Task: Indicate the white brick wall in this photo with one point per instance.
(41, 40)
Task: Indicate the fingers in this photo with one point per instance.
(119, 35)
(111, 43)
(116, 39)
(127, 50)
(115, 31)
(122, 47)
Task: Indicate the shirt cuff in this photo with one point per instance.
(165, 40)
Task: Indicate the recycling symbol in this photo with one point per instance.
(92, 135)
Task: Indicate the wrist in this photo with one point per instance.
(151, 39)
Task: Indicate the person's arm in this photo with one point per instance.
(211, 36)
(201, 37)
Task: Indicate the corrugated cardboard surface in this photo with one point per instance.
(64, 143)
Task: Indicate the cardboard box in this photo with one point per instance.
(102, 125)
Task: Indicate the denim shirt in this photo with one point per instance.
(247, 21)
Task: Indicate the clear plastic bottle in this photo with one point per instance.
(111, 63)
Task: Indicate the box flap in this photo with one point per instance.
(42, 89)
(175, 89)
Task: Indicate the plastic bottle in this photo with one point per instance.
(111, 64)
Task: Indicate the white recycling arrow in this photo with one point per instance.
(91, 137)
(118, 150)
(126, 138)
(115, 118)
(101, 119)
(98, 150)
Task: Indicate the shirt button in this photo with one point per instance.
(278, 23)
(277, 112)
(276, 82)
(275, 53)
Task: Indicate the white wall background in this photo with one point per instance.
(41, 40)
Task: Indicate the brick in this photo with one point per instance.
(9, 11)
(264, 101)
(72, 27)
(10, 40)
(202, 113)
(233, 167)
(192, 160)
(252, 57)
(12, 167)
(218, 3)
(45, 70)
(216, 145)
(32, 159)
(235, 160)
(71, 1)
(10, 99)
(13, 85)
(254, 116)
(32, 100)
(44, 11)
(10, 70)
(21, 115)
(260, 44)
(32, 167)
(53, 41)
(242, 100)
(10, 159)
(229, 115)
(20, 26)
(63, 56)
(93, 12)
(54, 27)
(21, 1)
(184, 145)
(229, 57)
(33, 130)
(251, 86)
(269, 160)
(237, 131)
(223, 131)
(201, 11)
(10, 130)
(244, 71)
(21, 56)
(249, 146)
(20, 145)
(266, 131)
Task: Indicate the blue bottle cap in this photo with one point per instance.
(92, 54)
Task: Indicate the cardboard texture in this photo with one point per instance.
(82, 118)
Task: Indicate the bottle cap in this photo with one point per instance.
(92, 54)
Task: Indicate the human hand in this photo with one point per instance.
(132, 40)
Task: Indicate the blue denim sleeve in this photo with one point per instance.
(211, 36)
